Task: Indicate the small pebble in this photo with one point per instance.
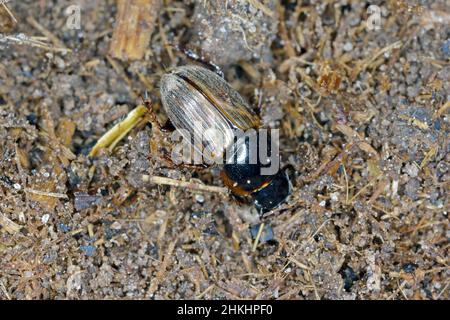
(348, 46)
(412, 188)
(334, 196)
(446, 48)
(45, 218)
(63, 227)
(348, 274)
(17, 186)
(199, 198)
(88, 250)
(411, 169)
(60, 64)
(116, 226)
(410, 267)
(84, 200)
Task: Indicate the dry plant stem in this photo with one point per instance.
(4, 290)
(441, 110)
(258, 236)
(311, 238)
(120, 130)
(290, 51)
(313, 285)
(33, 41)
(201, 295)
(162, 269)
(362, 65)
(261, 6)
(8, 224)
(365, 187)
(183, 184)
(47, 194)
(9, 12)
(135, 23)
(56, 42)
(119, 69)
(346, 184)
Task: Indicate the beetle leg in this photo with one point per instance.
(168, 127)
(147, 102)
(164, 130)
(173, 165)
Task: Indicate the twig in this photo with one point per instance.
(290, 51)
(135, 22)
(443, 290)
(47, 194)
(313, 285)
(312, 109)
(441, 110)
(58, 43)
(346, 184)
(258, 236)
(400, 287)
(318, 230)
(9, 225)
(183, 184)
(3, 2)
(22, 39)
(201, 295)
(288, 63)
(304, 244)
(162, 268)
(299, 264)
(262, 7)
(120, 130)
(365, 63)
(365, 187)
(5, 292)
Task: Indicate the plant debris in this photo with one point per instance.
(362, 103)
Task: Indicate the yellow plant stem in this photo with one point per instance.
(119, 131)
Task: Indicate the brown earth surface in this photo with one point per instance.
(363, 114)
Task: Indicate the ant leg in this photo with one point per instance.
(201, 59)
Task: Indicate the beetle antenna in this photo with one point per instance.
(165, 68)
(191, 54)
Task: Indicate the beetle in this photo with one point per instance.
(196, 99)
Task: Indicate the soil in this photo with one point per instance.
(362, 104)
